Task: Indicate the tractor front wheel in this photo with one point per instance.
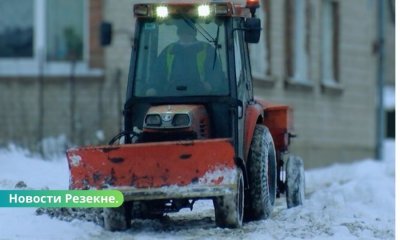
(118, 219)
(229, 209)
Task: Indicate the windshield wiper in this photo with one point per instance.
(216, 48)
(199, 29)
(204, 32)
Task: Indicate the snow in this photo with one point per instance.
(220, 174)
(389, 99)
(343, 201)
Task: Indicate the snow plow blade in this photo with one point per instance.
(184, 169)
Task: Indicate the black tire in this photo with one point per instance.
(118, 219)
(229, 209)
(295, 181)
(260, 197)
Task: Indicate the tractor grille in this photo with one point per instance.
(168, 136)
(203, 129)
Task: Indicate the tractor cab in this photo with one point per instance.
(190, 73)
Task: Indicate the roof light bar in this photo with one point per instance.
(200, 10)
(162, 11)
(204, 10)
(221, 9)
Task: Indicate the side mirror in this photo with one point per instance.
(105, 34)
(252, 30)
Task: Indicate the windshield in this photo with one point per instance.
(181, 57)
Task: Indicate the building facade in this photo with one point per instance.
(319, 56)
(52, 82)
(322, 59)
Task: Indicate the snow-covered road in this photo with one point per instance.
(346, 201)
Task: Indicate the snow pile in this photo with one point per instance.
(94, 215)
(346, 201)
(19, 165)
(52, 147)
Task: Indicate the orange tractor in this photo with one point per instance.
(192, 127)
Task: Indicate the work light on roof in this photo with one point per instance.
(204, 10)
(253, 3)
(162, 11)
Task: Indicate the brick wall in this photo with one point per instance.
(95, 50)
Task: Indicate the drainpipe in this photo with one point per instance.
(380, 79)
(72, 103)
(41, 103)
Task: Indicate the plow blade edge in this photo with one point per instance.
(201, 168)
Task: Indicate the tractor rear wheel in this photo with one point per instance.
(118, 219)
(295, 181)
(260, 197)
(229, 209)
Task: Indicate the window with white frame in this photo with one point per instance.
(16, 29)
(42, 36)
(64, 30)
(297, 40)
(330, 42)
(260, 53)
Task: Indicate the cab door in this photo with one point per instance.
(243, 80)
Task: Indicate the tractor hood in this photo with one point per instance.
(176, 122)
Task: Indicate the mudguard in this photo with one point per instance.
(279, 120)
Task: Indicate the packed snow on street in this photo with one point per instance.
(343, 201)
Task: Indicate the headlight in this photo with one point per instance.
(181, 120)
(153, 120)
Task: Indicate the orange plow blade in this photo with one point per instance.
(156, 170)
